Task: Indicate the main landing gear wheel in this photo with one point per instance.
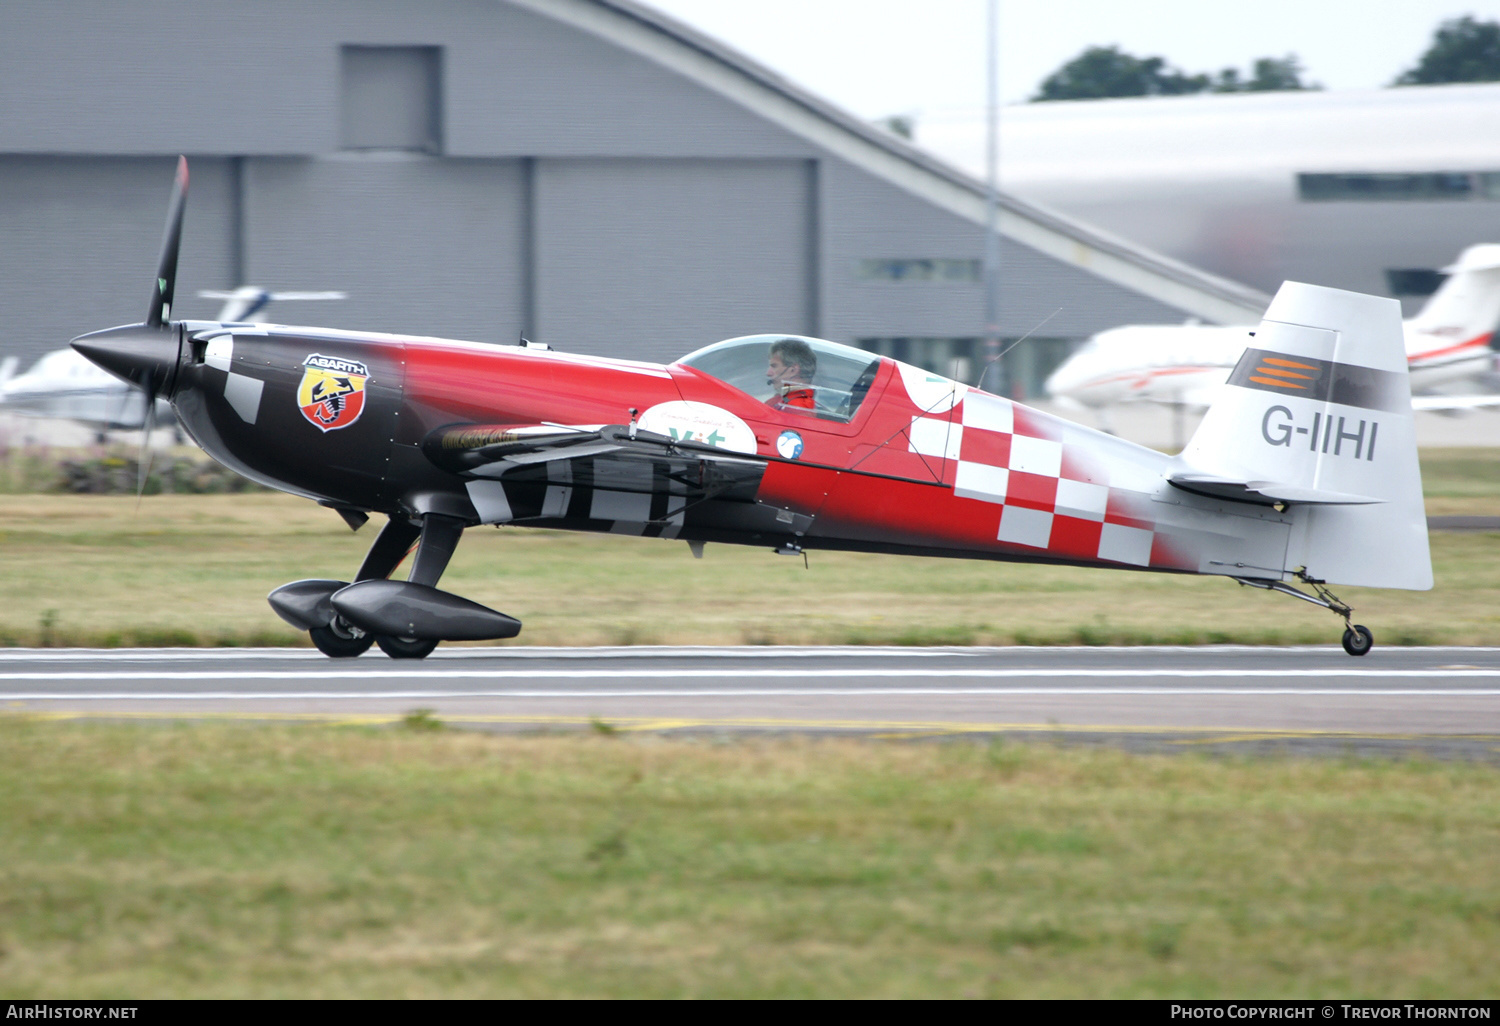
(340, 640)
(405, 648)
(1358, 640)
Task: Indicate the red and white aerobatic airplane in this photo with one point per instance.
(1186, 364)
(1304, 471)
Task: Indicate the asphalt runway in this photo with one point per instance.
(1442, 701)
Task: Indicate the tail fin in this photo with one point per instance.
(1468, 303)
(1317, 418)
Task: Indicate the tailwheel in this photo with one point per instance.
(1358, 640)
(405, 648)
(1357, 637)
(341, 639)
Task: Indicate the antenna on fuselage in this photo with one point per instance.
(996, 361)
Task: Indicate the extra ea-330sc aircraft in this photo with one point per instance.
(1305, 471)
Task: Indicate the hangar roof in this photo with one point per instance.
(712, 65)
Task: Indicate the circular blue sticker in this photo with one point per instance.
(789, 445)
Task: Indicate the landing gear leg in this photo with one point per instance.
(341, 639)
(390, 547)
(1357, 637)
(439, 537)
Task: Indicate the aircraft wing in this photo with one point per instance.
(612, 457)
(1439, 403)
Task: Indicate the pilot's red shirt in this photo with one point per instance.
(797, 395)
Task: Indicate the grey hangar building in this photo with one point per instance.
(587, 173)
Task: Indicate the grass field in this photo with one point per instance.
(226, 861)
(194, 570)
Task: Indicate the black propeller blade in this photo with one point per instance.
(146, 354)
(143, 462)
(160, 311)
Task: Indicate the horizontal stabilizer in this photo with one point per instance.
(1265, 493)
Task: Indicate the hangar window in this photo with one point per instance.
(948, 271)
(392, 98)
(832, 388)
(1426, 185)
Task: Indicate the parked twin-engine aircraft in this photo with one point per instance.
(63, 385)
(1449, 341)
(1305, 471)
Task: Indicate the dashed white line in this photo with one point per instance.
(221, 696)
(730, 673)
(693, 652)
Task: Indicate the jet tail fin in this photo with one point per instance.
(1317, 419)
(1467, 304)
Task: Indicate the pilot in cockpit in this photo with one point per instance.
(789, 372)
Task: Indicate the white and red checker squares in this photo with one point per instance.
(1051, 494)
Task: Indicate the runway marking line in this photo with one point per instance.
(742, 693)
(826, 673)
(907, 729)
(505, 652)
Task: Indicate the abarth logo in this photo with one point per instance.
(332, 392)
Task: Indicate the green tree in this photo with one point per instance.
(1104, 71)
(1462, 50)
(1270, 75)
(903, 125)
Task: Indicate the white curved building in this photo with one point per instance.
(1371, 190)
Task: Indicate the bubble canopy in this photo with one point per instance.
(835, 384)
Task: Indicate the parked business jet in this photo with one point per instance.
(63, 385)
(1449, 341)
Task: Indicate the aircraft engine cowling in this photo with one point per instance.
(311, 415)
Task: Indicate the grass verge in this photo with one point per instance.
(232, 861)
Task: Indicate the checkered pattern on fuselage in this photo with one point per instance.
(1052, 493)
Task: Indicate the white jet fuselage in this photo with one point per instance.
(1187, 364)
